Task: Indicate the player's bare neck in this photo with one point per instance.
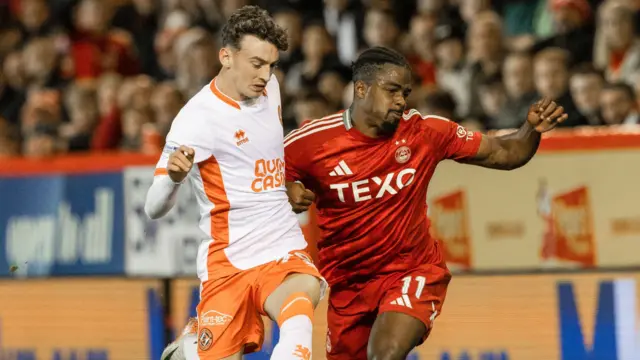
(363, 123)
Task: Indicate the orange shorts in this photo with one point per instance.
(231, 307)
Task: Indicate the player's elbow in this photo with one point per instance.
(152, 211)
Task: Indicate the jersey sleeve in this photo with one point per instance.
(294, 162)
(186, 130)
(454, 140)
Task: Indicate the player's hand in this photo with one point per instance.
(180, 163)
(545, 115)
(299, 197)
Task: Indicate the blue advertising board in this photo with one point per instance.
(62, 225)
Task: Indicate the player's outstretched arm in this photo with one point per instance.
(514, 150)
(163, 193)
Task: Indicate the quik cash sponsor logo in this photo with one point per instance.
(269, 174)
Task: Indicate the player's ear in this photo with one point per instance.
(360, 89)
(225, 57)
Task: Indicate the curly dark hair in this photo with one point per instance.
(252, 20)
(373, 59)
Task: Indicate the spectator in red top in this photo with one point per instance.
(422, 49)
(619, 51)
(95, 49)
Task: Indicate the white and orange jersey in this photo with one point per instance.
(239, 179)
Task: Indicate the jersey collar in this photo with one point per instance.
(346, 119)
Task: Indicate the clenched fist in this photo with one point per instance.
(180, 163)
(299, 197)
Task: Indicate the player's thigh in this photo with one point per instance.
(228, 321)
(394, 335)
(236, 356)
(287, 277)
(418, 294)
(350, 317)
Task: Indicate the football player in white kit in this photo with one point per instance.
(228, 141)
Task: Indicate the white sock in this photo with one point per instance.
(295, 339)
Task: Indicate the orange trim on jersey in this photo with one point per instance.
(160, 171)
(221, 96)
(215, 191)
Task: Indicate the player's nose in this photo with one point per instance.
(400, 103)
(265, 74)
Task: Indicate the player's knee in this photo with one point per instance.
(307, 284)
(387, 349)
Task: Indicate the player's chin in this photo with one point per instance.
(389, 126)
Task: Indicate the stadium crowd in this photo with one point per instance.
(95, 75)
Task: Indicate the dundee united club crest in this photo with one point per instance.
(205, 339)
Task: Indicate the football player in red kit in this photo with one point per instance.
(370, 167)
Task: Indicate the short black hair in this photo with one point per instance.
(310, 94)
(252, 20)
(587, 69)
(490, 80)
(373, 59)
(441, 99)
(623, 87)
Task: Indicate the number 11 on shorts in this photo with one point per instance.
(404, 299)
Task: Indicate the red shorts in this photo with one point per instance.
(353, 309)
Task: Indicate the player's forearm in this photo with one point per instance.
(161, 197)
(517, 148)
(511, 151)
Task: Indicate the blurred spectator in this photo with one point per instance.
(331, 85)
(8, 139)
(422, 57)
(318, 55)
(619, 52)
(292, 22)
(12, 82)
(141, 19)
(452, 74)
(166, 102)
(551, 79)
(493, 99)
(82, 108)
(469, 9)
(35, 19)
(347, 95)
(517, 72)
(485, 54)
(41, 141)
(310, 105)
(344, 20)
(108, 130)
(586, 84)
(572, 30)
(380, 29)
(619, 105)
(439, 103)
(198, 61)
(41, 64)
(133, 121)
(96, 49)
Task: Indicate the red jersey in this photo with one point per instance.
(371, 192)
